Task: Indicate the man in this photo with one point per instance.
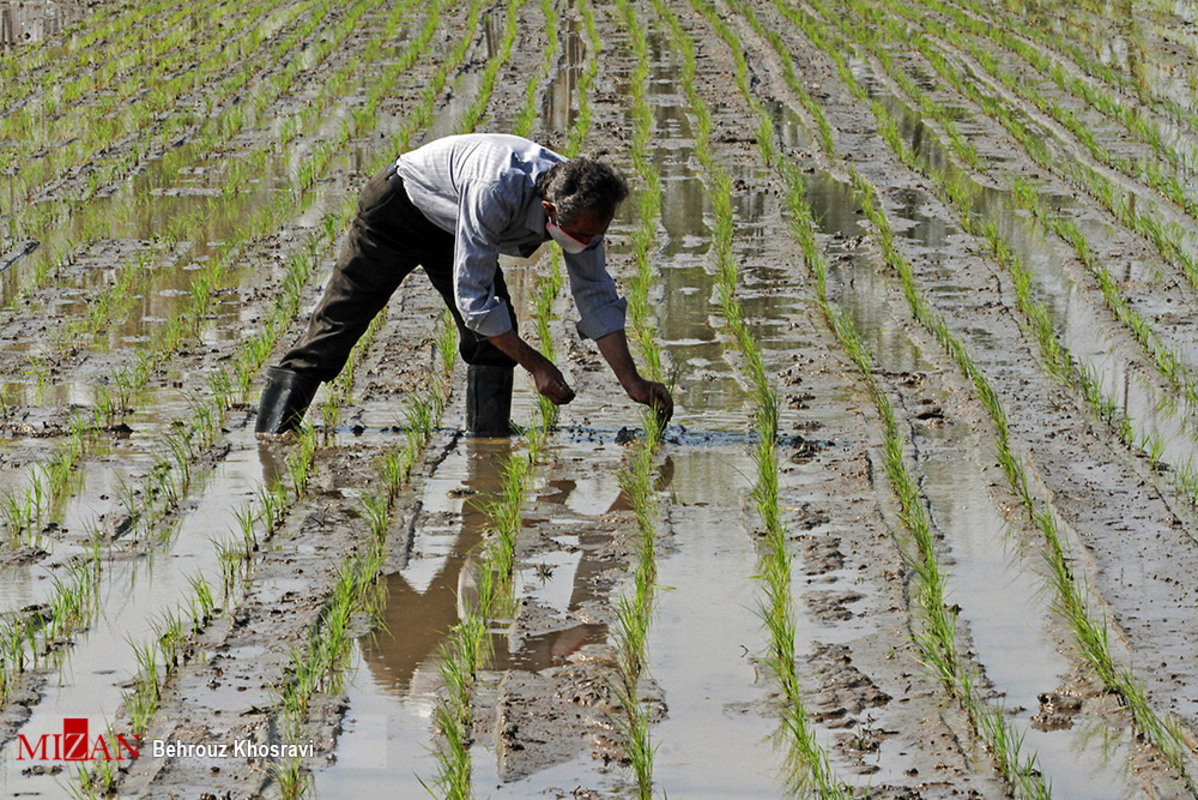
(452, 206)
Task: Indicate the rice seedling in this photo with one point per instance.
(1069, 589)
(938, 637)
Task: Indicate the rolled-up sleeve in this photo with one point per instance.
(476, 258)
(601, 310)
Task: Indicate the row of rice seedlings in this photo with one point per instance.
(477, 111)
(26, 508)
(32, 637)
(320, 666)
(582, 123)
(162, 656)
(529, 111)
(546, 289)
(808, 762)
(36, 70)
(1166, 359)
(94, 223)
(634, 613)
(339, 392)
(467, 648)
(937, 637)
(141, 101)
(1090, 634)
(1166, 237)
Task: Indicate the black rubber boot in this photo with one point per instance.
(284, 400)
(488, 400)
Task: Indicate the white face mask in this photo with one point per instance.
(569, 243)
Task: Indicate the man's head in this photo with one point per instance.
(580, 197)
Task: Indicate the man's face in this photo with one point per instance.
(586, 225)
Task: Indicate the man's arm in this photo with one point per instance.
(548, 378)
(614, 347)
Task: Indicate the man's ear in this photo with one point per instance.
(550, 211)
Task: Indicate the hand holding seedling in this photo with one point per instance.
(614, 347)
(548, 378)
(551, 383)
(655, 395)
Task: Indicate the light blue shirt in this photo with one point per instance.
(481, 187)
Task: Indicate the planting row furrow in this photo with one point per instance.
(166, 484)
(635, 609)
(1167, 359)
(1090, 632)
(145, 108)
(26, 508)
(808, 761)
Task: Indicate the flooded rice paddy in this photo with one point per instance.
(924, 522)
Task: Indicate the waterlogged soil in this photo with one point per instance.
(546, 720)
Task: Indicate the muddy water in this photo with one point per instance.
(1082, 322)
(717, 694)
(560, 106)
(387, 741)
(1002, 601)
(135, 596)
(1001, 597)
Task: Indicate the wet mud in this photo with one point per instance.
(546, 718)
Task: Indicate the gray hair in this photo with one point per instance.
(582, 184)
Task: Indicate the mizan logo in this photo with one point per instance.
(74, 744)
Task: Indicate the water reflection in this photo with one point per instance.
(427, 599)
(22, 22)
(559, 112)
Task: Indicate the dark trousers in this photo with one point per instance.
(388, 239)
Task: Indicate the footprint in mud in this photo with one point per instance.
(830, 606)
(1057, 710)
(822, 555)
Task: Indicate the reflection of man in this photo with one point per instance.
(452, 206)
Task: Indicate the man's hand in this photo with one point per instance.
(551, 383)
(614, 347)
(548, 378)
(655, 395)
